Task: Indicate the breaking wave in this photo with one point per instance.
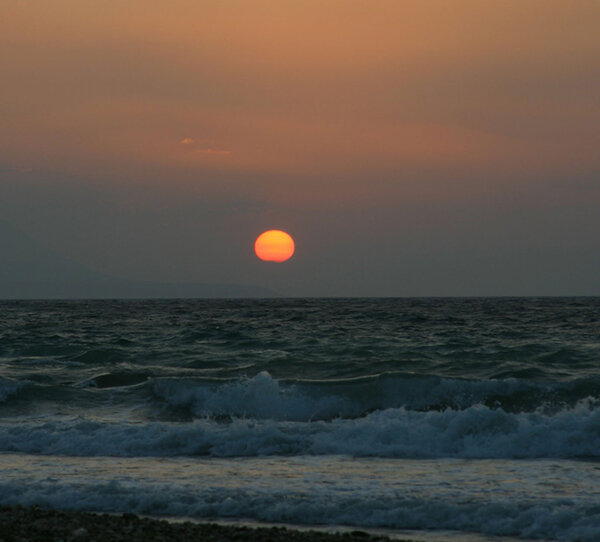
(475, 432)
(264, 397)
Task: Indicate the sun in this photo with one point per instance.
(274, 246)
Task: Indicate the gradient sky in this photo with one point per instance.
(410, 148)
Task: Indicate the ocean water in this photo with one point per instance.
(468, 419)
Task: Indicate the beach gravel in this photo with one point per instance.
(18, 524)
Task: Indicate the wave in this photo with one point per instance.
(475, 432)
(264, 397)
(119, 379)
(152, 398)
(556, 519)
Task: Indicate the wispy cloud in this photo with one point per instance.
(189, 142)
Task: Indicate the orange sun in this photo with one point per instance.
(274, 246)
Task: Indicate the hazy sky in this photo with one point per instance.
(409, 147)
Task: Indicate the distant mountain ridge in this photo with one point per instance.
(30, 271)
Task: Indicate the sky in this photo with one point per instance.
(410, 148)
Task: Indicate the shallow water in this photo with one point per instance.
(495, 497)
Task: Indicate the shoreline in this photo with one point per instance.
(19, 523)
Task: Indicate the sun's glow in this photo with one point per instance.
(274, 246)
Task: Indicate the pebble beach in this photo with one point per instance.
(19, 524)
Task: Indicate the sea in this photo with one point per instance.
(471, 419)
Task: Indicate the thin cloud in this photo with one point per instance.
(188, 141)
